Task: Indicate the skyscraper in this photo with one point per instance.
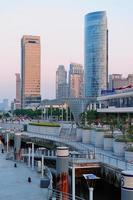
(30, 71)
(96, 53)
(61, 82)
(18, 91)
(76, 80)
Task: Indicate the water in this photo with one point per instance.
(102, 191)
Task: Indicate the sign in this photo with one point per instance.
(90, 176)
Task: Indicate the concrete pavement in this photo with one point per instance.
(14, 184)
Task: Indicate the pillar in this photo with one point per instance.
(17, 145)
(62, 169)
(127, 185)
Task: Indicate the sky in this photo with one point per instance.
(60, 24)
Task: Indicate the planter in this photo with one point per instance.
(44, 130)
(108, 143)
(129, 156)
(86, 136)
(119, 148)
(99, 139)
(92, 137)
(79, 135)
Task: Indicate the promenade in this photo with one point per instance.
(14, 184)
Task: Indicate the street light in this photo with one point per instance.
(7, 140)
(32, 153)
(90, 179)
(42, 163)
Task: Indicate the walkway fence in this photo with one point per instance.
(57, 195)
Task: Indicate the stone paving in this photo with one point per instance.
(14, 184)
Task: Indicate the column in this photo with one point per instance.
(32, 155)
(17, 145)
(127, 185)
(62, 169)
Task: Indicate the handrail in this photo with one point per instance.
(62, 195)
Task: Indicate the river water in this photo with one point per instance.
(102, 191)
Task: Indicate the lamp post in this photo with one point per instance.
(42, 163)
(7, 140)
(29, 154)
(32, 153)
(73, 182)
(90, 179)
(73, 153)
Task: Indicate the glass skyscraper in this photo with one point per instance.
(96, 53)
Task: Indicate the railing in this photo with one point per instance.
(58, 195)
(115, 162)
(105, 159)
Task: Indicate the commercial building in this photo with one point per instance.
(61, 82)
(17, 100)
(118, 81)
(76, 74)
(96, 53)
(117, 101)
(4, 105)
(30, 71)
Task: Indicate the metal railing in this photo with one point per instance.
(58, 195)
(105, 159)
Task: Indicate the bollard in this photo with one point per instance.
(127, 185)
(15, 165)
(29, 179)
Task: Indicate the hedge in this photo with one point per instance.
(50, 124)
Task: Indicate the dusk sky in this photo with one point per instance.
(60, 24)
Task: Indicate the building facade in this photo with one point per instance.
(117, 81)
(76, 74)
(30, 71)
(96, 53)
(61, 82)
(17, 100)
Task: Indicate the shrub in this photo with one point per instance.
(124, 138)
(50, 124)
(108, 136)
(129, 149)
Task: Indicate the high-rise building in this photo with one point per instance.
(96, 53)
(30, 71)
(17, 100)
(76, 80)
(118, 81)
(4, 106)
(61, 82)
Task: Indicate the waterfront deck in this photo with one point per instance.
(14, 184)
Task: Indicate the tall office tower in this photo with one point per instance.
(5, 105)
(30, 71)
(17, 100)
(96, 53)
(61, 82)
(76, 80)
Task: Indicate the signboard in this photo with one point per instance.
(90, 176)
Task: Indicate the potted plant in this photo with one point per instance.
(129, 153)
(120, 143)
(108, 141)
(99, 137)
(86, 134)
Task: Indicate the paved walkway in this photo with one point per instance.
(14, 185)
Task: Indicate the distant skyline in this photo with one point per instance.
(60, 24)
